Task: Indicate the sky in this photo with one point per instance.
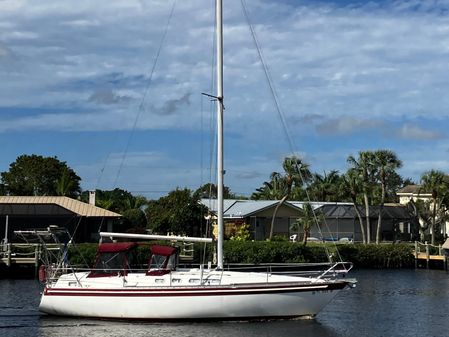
(114, 88)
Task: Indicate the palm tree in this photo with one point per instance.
(435, 182)
(296, 173)
(305, 221)
(366, 170)
(105, 203)
(271, 190)
(386, 163)
(134, 202)
(324, 187)
(351, 185)
(421, 211)
(65, 184)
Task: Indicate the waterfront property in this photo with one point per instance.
(414, 193)
(40, 212)
(341, 222)
(431, 256)
(340, 219)
(20, 255)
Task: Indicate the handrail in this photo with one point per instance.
(427, 246)
(332, 269)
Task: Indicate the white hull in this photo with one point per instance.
(281, 296)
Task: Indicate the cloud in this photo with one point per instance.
(338, 69)
(306, 119)
(4, 51)
(107, 97)
(248, 175)
(346, 125)
(409, 131)
(171, 106)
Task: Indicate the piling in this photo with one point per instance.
(416, 254)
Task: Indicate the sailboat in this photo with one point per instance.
(111, 289)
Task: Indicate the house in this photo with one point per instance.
(412, 192)
(341, 222)
(257, 214)
(415, 192)
(83, 220)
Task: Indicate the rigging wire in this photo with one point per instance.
(103, 167)
(269, 79)
(213, 139)
(282, 118)
(145, 94)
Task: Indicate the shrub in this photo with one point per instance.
(378, 256)
(271, 252)
(257, 252)
(83, 254)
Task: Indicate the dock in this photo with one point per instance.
(427, 254)
(20, 254)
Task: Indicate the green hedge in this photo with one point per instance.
(378, 256)
(363, 256)
(271, 252)
(83, 254)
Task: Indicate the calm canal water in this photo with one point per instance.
(385, 303)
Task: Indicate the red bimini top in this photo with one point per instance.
(162, 250)
(116, 247)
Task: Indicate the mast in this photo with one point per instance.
(220, 170)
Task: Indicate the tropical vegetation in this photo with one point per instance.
(371, 179)
(37, 175)
(238, 251)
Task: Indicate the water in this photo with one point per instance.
(385, 303)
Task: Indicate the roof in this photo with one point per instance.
(72, 205)
(389, 211)
(243, 208)
(412, 190)
(318, 204)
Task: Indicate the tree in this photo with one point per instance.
(308, 217)
(296, 174)
(436, 183)
(241, 233)
(134, 220)
(351, 185)
(38, 175)
(421, 211)
(364, 166)
(116, 200)
(325, 187)
(271, 190)
(179, 212)
(129, 206)
(386, 162)
(209, 191)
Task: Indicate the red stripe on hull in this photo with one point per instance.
(228, 291)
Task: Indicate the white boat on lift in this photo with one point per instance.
(164, 292)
